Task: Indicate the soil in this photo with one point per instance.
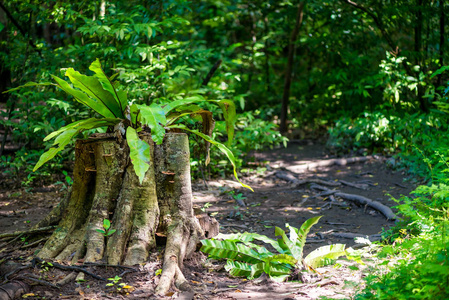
(274, 202)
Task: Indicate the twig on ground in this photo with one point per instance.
(29, 232)
(43, 282)
(71, 268)
(34, 243)
(361, 186)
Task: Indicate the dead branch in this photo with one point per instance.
(327, 163)
(297, 182)
(385, 210)
(361, 186)
(29, 232)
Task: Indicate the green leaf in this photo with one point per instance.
(106, 224)
(83, 125)
(230, 250)
(220, 146)
(290, 246)
(110, 232)
(153, 116)
(230, 115)
(81, 97)
(249, 237)
(120, 97)
(94, 89)
(303, 232)
(177, 103)
(324, 255)
(100, 231)
(61, 141)
(29, 84)
(139, 152)
(239, 269)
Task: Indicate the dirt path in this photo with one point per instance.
(275, 202)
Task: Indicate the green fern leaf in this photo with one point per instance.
(324, 255)
(139, 152)
(230, 250)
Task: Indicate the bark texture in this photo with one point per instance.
(106, 187)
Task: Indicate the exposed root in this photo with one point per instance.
(385, 210)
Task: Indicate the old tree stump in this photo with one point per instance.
(106, 187)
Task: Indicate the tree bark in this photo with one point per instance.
(106, 187)
(442, 38)
(289, 68)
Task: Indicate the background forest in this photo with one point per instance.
(367, 76)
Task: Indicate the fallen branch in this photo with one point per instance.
(32, 231)
(361, 186)
(328, 163)
(385, 210)
(71, 268)
(297, 182)
(349, 235)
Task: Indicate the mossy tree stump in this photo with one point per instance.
(106, 187)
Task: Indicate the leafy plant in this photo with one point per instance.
(245, 258)
(107, 231)
(103, 95)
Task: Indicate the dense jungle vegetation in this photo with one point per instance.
(367, 76)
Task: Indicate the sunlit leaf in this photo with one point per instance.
(139, 152)
(120, 97)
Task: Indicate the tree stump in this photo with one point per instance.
(105, 186)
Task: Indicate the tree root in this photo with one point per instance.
(297, 182)
(385, 210)
(328, 163)
(13, 290)
(28, 232)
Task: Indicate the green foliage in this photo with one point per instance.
(104, 96)
(247, 259)
(107, 229)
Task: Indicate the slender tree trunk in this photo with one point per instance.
(267, 56)
(442, 39)
(289, 68)
(418, 52)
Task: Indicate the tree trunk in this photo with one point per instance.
(289, 69)
(106, 187)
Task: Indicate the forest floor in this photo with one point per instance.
(274, 202)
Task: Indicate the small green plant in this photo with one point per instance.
(114, 282)
(45, 266)
(245, 258)
(107, 228)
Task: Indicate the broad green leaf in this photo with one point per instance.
(238, 269)
(303, 231)
(230, 115)
(295, 251)
(249, 237)
(324, 255)
(27, 85)
(81, 97)
(282, 259)
(94, 89)
(153, 116)
(230, 250)
(65, 134)
(139, 152)
(83, 125)
(220, 146)
(106, 224)
(61, 141)
(120, 97)
(177, 103)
